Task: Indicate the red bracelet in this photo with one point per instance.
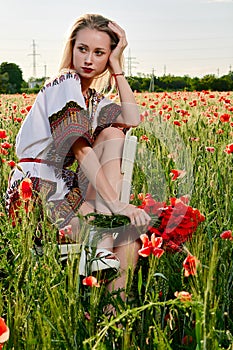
(116, 74)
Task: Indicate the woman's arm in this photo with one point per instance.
(130, 115)
(91, 167)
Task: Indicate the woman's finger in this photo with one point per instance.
(141, 218)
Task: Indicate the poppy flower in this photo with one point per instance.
(190, 265)
(187, 339)
(14, 106)
(23, 111)
(176, 122)
(150, 205)
(229, 148)
(227, 235)
(11, 163)
(210, 149)
(220, 131)
(225, 118)
(6, 145)
(67, 230)
(196, 139)
(151, 246)
(90, 281)
(4, 332)
(141, 196)
(25, 189)
(28, 108)
(4, 152)
(3, 134)
(177, 174)
(183, 296)
(18, 119)
(144, 138)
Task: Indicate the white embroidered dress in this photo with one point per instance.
(59, 117)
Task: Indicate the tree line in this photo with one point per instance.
(11, 82)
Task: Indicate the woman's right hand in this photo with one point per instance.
(137, 216)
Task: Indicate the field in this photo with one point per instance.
(181, 294)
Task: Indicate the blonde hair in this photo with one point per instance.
(92, 21)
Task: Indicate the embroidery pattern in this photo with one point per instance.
(60, 79)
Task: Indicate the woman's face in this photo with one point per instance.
(91, 52)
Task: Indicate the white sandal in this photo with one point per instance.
(102, 262)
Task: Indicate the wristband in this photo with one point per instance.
(117, 74)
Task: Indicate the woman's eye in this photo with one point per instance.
(99, 53)
(82, 49)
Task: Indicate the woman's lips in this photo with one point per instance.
(87, 70)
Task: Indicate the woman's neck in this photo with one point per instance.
(85, 85)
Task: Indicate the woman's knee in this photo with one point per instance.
(111, 133)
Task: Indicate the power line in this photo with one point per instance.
(130, 63)
(152, 82)
(34, 54)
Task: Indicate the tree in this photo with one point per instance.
(4, 83)
(15, 77)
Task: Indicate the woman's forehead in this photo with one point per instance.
(93, 37)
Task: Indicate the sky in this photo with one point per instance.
(177, 37)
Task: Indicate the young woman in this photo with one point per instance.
(71, 122)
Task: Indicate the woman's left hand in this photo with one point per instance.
(116, 54)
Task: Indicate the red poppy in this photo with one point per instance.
(176, 122)
(177, 174)
(11, 163)
(3, 134)
(23, 111)
(14, 106)
(18, 119)
(210, 149)
(3, 152)
(227, 235)
(28, 108)
(177, 221)
(25, 189)
(6, 145)
(150, 205)
(90, 281)
(187, 339)
(4, 332)
(67, 230)
(220, 131)
(195, 139)
(225, 118)
(229, 148)
(151, 246)
(183, 296)
(141, 196)
(190, 265)
(144, 138)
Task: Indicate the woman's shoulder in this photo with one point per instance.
(65, 77)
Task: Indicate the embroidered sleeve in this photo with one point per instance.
(106, 117)
(109, 113)
(67, 125)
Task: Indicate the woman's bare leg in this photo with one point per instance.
(108, 148)
(128, 255)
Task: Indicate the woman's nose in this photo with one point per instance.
(88, 58)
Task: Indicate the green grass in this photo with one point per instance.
(45, 303)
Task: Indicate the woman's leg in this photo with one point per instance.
(108, 148)
(128, 255)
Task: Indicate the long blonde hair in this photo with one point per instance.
(92, 21)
